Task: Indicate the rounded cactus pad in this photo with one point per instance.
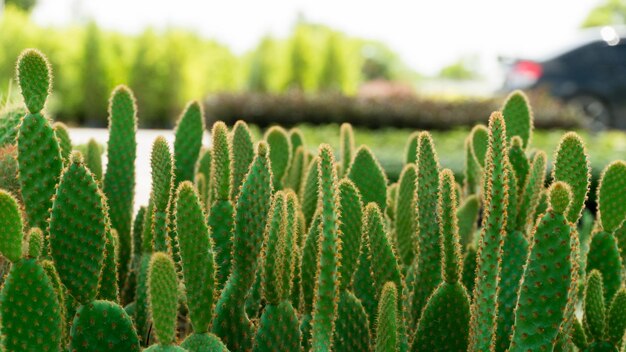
(405, 222)
(10, 227)
(604, 256)
(616, 323)
(243, 153)
(611, 195)
(560, 197)
(274, 251)
(40, 164)
(220, 163)
(451, 252)
(163, 293)
(103, 326)
(479, 143)
(35, 78)
(346, 146)
(352, 326)
(35, 242)
(387, 320)
(351, 226)
(30, 310)
(280, 153)
(203, 342)
(369, 177)
(571, 165)
(63, 137)
(78, 231)
(595, 309)
(518, 117)
(278, 329)
(188, 141)
(197, 257)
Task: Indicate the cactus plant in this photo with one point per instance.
(280, 153)
(297, 169)
(231, 323)
(369, 177)
(8, 171)
(346, 147)
(243, 153)
(444, 323)
(309, 192)
(387, 339)
(571, 165)
(188, 141)
(405, 225)
(10, 118)
(162, 178)
(63, 138)
(550, 274)
(410, 151)
(119, 178)
(518, 117)
(93, 159)
(483, 308)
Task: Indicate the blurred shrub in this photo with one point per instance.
(374, 112)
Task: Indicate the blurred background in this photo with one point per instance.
(395, 66)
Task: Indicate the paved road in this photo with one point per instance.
(145, 138)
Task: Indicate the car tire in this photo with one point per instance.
(596, 112)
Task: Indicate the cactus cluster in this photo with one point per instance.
(271, 245)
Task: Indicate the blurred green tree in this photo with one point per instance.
(460, 70)
(333, 74)
(24, 5)
(301, 65)
(94, 78)
(609, 12)
(261, 66)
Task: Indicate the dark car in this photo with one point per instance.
(589, 74)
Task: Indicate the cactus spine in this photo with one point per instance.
(188, 142)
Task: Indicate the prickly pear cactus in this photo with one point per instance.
(551, 272)
(188, 141)
(346, 146)
(352, 325)
(387, 338)
(280, 153)
(93, 159)
(162, 182)
(243, 153)
(518, 117)
(231, 323)
(64, 140)
(309, 192)
(350, 234)
(369, 177)
(444, 323)
(405, 224)
(11, 224)
(571, 166)
(35, 79)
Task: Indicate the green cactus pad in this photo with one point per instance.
(163, 293)
(428, 270)
(197, 257)
(10, 227)
(78, 231)
(480, 143)
(604, 256)
(296, 137)
(63, 138)
(10, 119)
(93, 159)
(162, 178)
(168, 348)
(469, 269)
(352, 325)
(473, 170)
(571, 165)
(119, 179)
(35, 78)
(369, 177)
(30, 310)
(448, 228)
(518, 117)
(350, 234)
(35, 243)
(203, 343)
(467, 215)
(483, 308)
(107, 286)
(611, 193)
(616, 323)
(531, 192)
(103, 326)
(445, 321)
(280, 153)
(142, 315)
(290, 245)
(220, 163)
(363, 282)
(40, 164)
(548, 285)
(310, 258)
(188, 141)
(405, 225)
(273, 251)
(519, 162)
(327, 278)
(595, 311)
(560, 197)
(231, 323)
(410, 151)
(243, 153)
(295, 175)
(8, 171)
(387, 325)
(221, 221)
(278, 329)
(309, 193)
(346, 147)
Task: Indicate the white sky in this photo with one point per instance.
(427, 34)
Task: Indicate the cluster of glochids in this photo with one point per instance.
(267, 246)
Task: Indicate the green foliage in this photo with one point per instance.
(93, 75)
(607, 12)
(63, 138)
(197, 257)
(11, 225)
(163, 296)
(551, 272)
(231, 323)
(77, 238)
(483, 308)
(327, 277)
(189, 131)
(103, 326)
(37, 328)
(369, 177)
(518, 117)
(387, 325)
(571, 165)
(119, 179)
